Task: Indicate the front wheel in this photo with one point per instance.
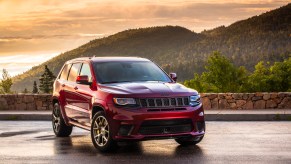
(101, 133)
(189, 141)
(59, 126)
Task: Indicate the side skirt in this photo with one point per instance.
(80, 125)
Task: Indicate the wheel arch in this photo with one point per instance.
(96, 108)
(64, 115)
(55, 100)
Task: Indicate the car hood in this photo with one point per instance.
(146, 88)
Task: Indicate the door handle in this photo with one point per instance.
(75, 87)
(63, 85)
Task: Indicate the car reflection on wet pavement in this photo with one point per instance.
(225, 142)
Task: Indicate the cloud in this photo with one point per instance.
(30, 46)
(16, 64)
(56, 18)
(12, 38)
(26, 58)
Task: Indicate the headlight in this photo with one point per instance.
(124, 101)
(195, 100)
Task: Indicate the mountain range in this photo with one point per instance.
(266, 37)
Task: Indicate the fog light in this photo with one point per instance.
(200, 126)
(197, 138)
(124, 130)
(201, 114)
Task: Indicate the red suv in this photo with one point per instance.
(125, 99)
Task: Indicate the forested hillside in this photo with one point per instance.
(266, 37)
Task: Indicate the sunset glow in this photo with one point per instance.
(34, 31)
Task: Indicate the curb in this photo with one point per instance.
(27, 117)
(247, 117)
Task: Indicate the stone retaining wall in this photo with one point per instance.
(26, 102)
(281, 100)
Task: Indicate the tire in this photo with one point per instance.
(59, 126)
(189, 141)
(101, 133)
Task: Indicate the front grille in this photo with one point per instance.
(164, 102)
(166, 126)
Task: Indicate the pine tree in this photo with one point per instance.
(35, 89)
(6, 82)
(46, 81)
(25, 90)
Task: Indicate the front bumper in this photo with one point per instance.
(143, 124)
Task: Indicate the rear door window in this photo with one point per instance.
(65, 71)
(74, 71)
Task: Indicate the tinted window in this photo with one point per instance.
(85, 70)
(74, 72)
(65, 71)
(115, 72)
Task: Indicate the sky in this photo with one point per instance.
(33, 31)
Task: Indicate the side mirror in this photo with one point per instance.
(83, 79)
(173, 76)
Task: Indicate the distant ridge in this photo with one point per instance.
(265, 37)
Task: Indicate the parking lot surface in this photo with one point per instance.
(224, 142)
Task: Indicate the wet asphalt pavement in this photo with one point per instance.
(225, 142)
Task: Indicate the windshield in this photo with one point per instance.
(116, 72)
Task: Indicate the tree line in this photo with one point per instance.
(221, 75)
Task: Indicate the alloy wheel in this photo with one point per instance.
(101, 131)
(56, 118)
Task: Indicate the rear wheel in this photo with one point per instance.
(59, 126)
(189, 141)
(101, 133)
